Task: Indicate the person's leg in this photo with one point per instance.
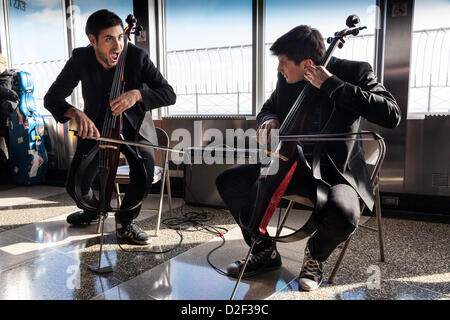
(237, 188)
(86, 192)
(7, 107)
(139, 187)
(339, 219)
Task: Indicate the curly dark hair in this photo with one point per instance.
(101, 19)
(302, 42)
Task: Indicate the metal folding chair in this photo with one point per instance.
(161, 174)
(374, 157)
(374, 151)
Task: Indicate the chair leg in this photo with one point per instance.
(339, 261)
(161, 200)
(380, 224)
(380, 238)
(288, 210)
(119, 201)
(169, 192)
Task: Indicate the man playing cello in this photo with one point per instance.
(95, 66)
(350, 88)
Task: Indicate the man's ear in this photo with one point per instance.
(92, 40)
(307, 63)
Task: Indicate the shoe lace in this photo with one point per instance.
(257, 257)
(312, 266)
(134, 229)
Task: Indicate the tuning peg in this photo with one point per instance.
(352, 21)
(130, 19)
(137, 30)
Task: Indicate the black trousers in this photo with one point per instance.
(6, 108)
(338, 218)
(137, 184)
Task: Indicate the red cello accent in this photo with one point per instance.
(276, 199)
(271, 187)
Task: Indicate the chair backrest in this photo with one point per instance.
(374, 154)
(163, 137)
(163, 140)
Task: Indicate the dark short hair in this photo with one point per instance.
(302, 42)
(101, 19)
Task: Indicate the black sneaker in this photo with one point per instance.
(268, 259)
(311, 275)
(134, 233)
(82, 217)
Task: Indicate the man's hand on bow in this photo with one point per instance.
(263, 134)
(86, 128)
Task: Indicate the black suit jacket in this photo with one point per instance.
(140, 73)
(354, 93)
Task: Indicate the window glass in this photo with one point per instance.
(39, 27)
(430, 63)
(37, 42)
(209, 56)
(328, 16)
(82, 9)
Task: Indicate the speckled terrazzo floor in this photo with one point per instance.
(417, 266)
(41, 257)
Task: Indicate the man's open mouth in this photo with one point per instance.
(114, 56)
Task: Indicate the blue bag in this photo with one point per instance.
(27, 153)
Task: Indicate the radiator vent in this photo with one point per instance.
(439, 180)
(389, 200)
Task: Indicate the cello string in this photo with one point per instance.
(115, 88)
(110, 120)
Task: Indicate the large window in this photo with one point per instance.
(37, 42)
(430, 58)
(328, 16)
(82, 9)
(39, 38)
(209, 56)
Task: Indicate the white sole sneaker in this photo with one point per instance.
(308, 284)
